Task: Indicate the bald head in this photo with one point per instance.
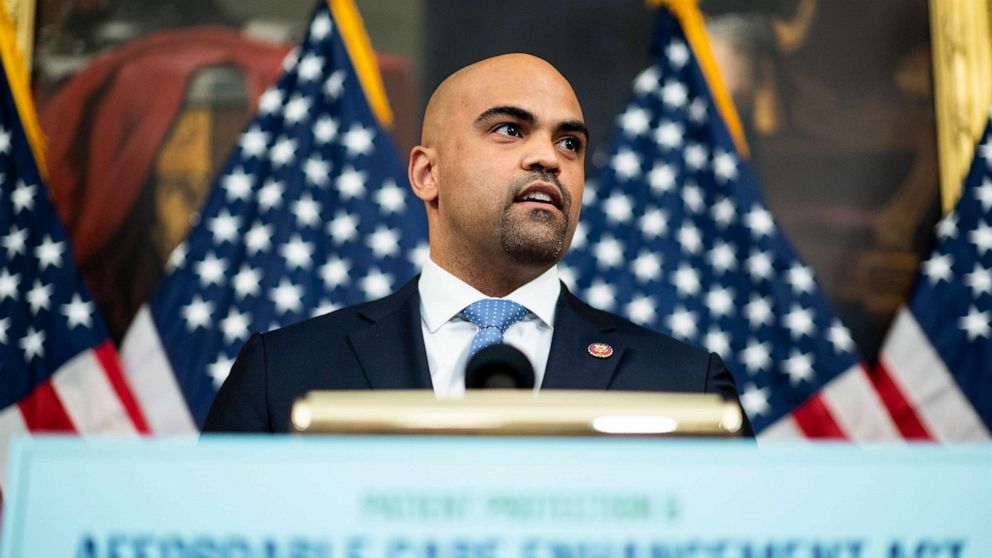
(499, 165)
(503, 72)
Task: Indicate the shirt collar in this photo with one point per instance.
(443, 296)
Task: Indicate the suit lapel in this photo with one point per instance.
(391, 348)
(570, 366)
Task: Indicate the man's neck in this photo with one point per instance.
(492, 280)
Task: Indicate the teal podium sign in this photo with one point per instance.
(439, 497)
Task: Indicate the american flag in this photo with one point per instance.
(936, 363)
(675, 236)
(60, 371)
(311, 212)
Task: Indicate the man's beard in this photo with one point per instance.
(540, 236)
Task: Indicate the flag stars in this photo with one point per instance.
(697, 110)
(938, 268)
(654, 223)
(720, 301)
(674, 94)
(725, 166)
(334, 85)
(4, 329)
(759, 266)
(985, 152)
(78, 312)
(296, 109)
(979, 280)
(635, 121)
(253, 142)
(335, 272)
(677, 53)
(211, 270)
(220, 369)
(717, 341)
(351, 183)
(692, 197)
(8, 284)
(601, 295)
(695, 156)
(840, 338)
(283, 152)
(343, 227)
(975, 323)
(270, 101)
(317, 171)
(287, 297)
(258, 239)
(669, 135)
(618, 208)
(33, 344)
(4, 141)
(270, 196)
(947, 228)
(984, 195)
(799, 322)
(49, 253)
(197, 313)
(686, 280)
(722, 257)
(641, 309)
(224, 227)
(981, 237)
(15, 242)
(626, 164)
(756, 356)
(758, 312)
(40, 297)
(647, 266)
(235, 326)
(723, 213)
(755, 400)
(661, 178)
(320, 27)
(759, 220)
(799, 367)
(682, 323)
(647, 81)
(384, 242)
(23, 197)
(247, 282)
(690, 239)
(376, 284)
(579, 237)
(307, 211)
(800, 277)
(310, 67)
(297, 253)
(608, 252)
(390, 198)
(419, 255)
(325, 129)
(358, 140)
(237, 185)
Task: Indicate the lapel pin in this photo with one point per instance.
(600, 350)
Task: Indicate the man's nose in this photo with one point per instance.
(541, 155)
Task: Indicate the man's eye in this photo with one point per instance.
(508, 130)
(570, 144)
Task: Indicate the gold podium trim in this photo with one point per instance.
(516, 413)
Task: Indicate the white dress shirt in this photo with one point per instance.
(448, 335)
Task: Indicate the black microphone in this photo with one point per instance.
(499, 367)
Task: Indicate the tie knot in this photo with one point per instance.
(494, 312)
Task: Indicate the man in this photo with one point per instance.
(500, 171)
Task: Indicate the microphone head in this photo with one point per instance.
(499, 367)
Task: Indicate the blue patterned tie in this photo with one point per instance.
(493, 316)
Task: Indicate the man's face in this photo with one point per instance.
(509, 166)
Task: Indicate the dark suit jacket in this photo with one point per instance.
(380, 345)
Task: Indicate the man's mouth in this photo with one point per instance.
(540, 193)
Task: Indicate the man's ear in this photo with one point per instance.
(421, 172)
